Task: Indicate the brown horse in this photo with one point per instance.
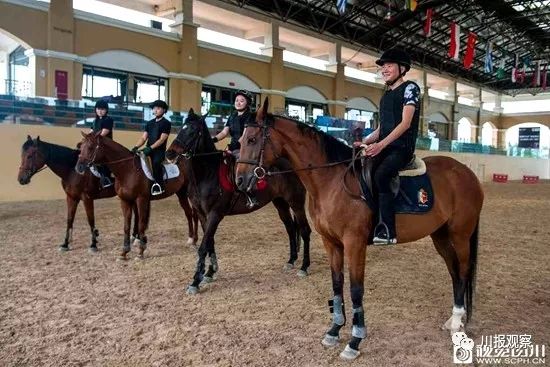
(345, 222)
(133, 187)
(37, 154)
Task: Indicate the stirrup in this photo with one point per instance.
(383, 236)
(156, 189)
(105, 182)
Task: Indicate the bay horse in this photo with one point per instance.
(345, 223)
(213, 202)
(37, 154)
(133, 187)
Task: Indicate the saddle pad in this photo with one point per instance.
(415, 195)
(223, 177)
(416, 168)
(170, 170)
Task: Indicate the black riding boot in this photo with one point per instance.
(384, 232)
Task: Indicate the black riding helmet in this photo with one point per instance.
(398, 56)
(102, 104)
(159, 103)
(247, 95)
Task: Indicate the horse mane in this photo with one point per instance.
(335, 150)
(206, 144)
(56, 153)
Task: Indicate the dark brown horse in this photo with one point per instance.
(345, 223)
(133, 187)
(202, 164)
(37, 154)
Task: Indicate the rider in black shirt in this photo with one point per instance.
(103, 124)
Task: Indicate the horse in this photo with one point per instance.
(345, 223)
(133, 187)
(213, 201)
(37, 154)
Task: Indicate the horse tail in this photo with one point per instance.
(297, 232)
(471, 283)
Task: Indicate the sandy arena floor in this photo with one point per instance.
(80, 309)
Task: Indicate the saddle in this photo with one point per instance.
(226, 172)
(411, 188)
(170, 170)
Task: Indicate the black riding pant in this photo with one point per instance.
(387, 165)
(157, 157)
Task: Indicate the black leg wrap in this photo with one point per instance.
(354, 343)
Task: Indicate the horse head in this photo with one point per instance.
(258, 150)
(91, 151)
(32, 160)
(192, 138)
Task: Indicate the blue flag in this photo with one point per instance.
(489, 58)
(341, 5)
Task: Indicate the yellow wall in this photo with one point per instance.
(506, 121)
(45, 185)
(17, 21)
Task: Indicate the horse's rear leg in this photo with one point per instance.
(286, 217)
(89, 206)
(443, 244)
(335, 254)
(304, 230)
(135, 229)
(127, 214)
(355, 250)
(192, 218)
(144, 210)
(72, 204)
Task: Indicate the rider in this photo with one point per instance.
(392, 144)
(104, 125)
(237, 121)
(156, 134)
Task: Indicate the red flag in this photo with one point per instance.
(470, 50)
(454, 48)
(428, 23)
(544, 76)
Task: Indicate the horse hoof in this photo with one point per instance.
(63, 248)
(302, 273)
(132, 239)
(191, 242)
(121, 258)
(330, 341)
(288, 266)
(93, 250)
(191, 290)
(206, 279)
(349, 354)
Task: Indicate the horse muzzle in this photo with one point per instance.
(246, 182)
(80, 168)
(24, 179)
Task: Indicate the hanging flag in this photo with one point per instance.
(428, 23)
(515, 69)
(470, 50)
(535, 82)
(454, 48)
(543, 77)
(501, 73)
(411, 4)
(489, 58)
(341, 5)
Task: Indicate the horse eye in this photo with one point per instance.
(252, 140)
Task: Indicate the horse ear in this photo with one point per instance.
(262, 112)
(83, 134)
(98, 134)
(38, 139)
(29, 138)
(191, 111)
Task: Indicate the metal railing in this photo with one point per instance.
(16, 87)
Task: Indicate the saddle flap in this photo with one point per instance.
(170, 170)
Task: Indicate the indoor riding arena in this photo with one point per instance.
(98, 270)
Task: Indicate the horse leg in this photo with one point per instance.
(355, 251)
(72, 204)
(135, 229)
(191, 218)
(207, 244)
(286, 217)
(304, 230)
(335, 256)
(144, 210)
(127, 213)
(89, 206)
